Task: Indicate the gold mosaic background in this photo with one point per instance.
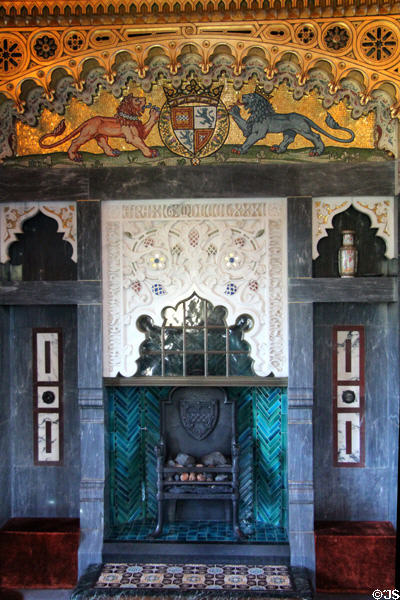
(281, 99)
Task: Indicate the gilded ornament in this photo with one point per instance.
(194, 122)
(337, 37)
(378, 43)
(12, 54)
(45, 47)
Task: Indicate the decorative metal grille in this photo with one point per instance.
(194, 339)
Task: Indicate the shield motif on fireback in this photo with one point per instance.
(198, 417)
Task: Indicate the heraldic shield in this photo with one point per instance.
(198, 417)
(194, 121)
(194, 125)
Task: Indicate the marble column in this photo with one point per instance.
(5, 421)
(90, 390)
(300, 391)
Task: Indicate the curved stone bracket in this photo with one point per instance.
(13, 215)
(379, 209)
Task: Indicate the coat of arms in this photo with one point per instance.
(194, 121)
(198, 417)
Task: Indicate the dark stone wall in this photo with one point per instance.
(5, 421)
(39, 491)
(367, 493)
(340, 493)
(223, 181)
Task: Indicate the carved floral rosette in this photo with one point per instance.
(156, 254)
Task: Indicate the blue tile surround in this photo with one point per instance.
(134, 423)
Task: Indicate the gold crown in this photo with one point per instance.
(193, 92)
(261, 92)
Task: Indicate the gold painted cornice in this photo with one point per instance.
(39, 12)
(359, 46)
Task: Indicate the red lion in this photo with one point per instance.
(126, 124)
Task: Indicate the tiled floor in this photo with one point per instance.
(65, 594)
(188, 531)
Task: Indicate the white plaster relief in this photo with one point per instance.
(48, 450)
(13, 215)
(381, 211)
(352, 372)
(156, 254)
(355, 455)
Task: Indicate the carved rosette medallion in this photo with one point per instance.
(12, 54)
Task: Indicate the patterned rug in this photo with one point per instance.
(192, 580)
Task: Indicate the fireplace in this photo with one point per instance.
(197, 455)
(196, 297)
(134, 424)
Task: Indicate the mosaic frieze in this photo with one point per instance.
(191, 118)
(232, 254)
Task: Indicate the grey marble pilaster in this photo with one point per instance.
(40, 490)
(91, 434)
(300, 391)
(89, 239)
(5, 426)
(299, 237)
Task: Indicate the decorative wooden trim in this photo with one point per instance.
(348, 396)
(47, 373)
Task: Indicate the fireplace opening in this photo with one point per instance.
(134, 425)
(197, 455)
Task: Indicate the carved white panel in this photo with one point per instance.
(381, 211)
(13, 215)
(155, 254)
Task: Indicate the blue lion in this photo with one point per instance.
(263, 120)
